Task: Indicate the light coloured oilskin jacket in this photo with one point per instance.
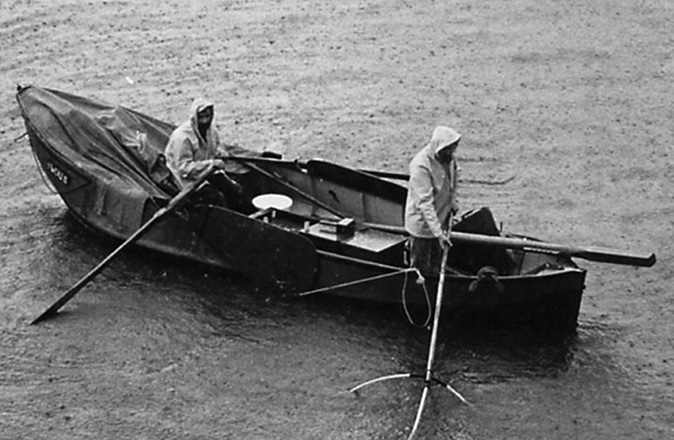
(188, 155)
(430, 187)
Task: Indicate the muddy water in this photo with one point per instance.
(156, 348)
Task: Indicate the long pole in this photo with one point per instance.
(159, 215)
(591, 253)
(434, 340)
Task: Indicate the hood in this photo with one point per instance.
(198, 105)
(443, 137)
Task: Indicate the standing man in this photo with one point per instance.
(194, 147)
(431, 199)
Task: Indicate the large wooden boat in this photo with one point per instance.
(340, 233)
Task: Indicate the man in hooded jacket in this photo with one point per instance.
(194, 148)
(431, 199)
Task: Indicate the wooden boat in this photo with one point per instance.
(342, 235)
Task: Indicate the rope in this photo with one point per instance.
(420, 280)
(21, 137)
(356, 282)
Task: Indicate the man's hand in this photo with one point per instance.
(233, 184)
(444, 241)
(455, 208)
(237, 186)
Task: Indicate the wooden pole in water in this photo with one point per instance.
(428, 378)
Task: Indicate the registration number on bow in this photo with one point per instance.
(59, 174)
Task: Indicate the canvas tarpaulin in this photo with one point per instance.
(119, 146)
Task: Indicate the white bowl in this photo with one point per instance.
(276, 201)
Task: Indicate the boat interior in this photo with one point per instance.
(354, 214)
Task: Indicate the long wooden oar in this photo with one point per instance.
(597, 254)
(601, 255)
(158, 216)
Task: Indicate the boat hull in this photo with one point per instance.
(291, 253)
(544, 300)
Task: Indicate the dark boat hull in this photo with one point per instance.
(289, 252)
(543, 301)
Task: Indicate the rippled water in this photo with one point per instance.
(156, 348)
(570, 99)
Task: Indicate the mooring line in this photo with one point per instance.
(356, 282)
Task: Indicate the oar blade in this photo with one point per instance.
(616, 257)
(50, 312)
(54, 308)
(596, 254)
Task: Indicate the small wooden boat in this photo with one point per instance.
(340, 234)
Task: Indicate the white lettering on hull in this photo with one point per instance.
(59, 174)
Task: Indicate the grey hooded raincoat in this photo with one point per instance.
(188, 154)
(431, 187)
